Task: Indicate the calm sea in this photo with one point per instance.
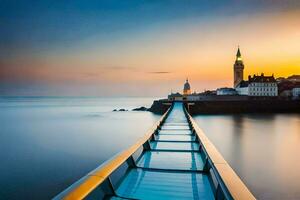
(264, 150)
(48, 143)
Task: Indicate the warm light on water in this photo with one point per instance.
(262, 149)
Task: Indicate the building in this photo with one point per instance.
(193, 97)
(238, 69)
(226, 91)
(294, 78)
(263, 86)
(175, 97)
(186, 96)
(286, 93)
(242, 88)
(287, 84)
(296, 92)
(258, 86)
(280, 79)
(186, 88)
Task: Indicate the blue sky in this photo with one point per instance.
(47, 24)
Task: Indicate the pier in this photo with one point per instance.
(174, 160)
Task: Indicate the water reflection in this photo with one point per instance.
(237, 138)
(262, 149)
(48, 143)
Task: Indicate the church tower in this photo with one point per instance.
(186, 88)
(238, 69)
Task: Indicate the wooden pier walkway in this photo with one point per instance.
(175, 160)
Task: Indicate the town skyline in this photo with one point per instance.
(178, 83)
(143, 49)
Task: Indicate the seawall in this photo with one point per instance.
(234, 106)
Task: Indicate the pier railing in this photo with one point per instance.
(100, 182)
(227, 183)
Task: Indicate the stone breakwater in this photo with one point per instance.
(234, 106)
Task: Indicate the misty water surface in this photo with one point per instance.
(264, 150)
(46, 144)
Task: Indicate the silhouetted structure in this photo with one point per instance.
(238, 69)
(186, 88)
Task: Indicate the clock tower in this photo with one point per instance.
(238, 69)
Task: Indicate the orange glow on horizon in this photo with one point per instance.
(205, 53)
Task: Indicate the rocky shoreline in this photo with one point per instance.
(142, 108)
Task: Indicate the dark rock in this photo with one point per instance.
(120, 110)
(140, 109)
(159, 107)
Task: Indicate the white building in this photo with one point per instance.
(243, 88)
(258, 86)
(296, 92)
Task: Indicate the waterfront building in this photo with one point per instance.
(287, 85)
(262, 86)
(226, 91)
(255, 86)
(186, 88)
(238, 69)
(280, 79)
(243, 88)
(193, 97)
(258, 86)
(285, 93)
(296, 92)
(175, 97)
(294, 78)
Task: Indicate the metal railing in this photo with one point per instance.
(228, 185)
(98, 182)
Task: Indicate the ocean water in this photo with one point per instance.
(46, 144)
(264, 150)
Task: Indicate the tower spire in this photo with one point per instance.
(238, 68)
(238, 54)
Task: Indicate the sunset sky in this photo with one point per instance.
(142, 47)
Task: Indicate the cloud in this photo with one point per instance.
(91, 74)
(160, 72)
(119, 68)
